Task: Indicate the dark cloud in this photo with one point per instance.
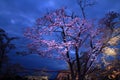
(17, 14)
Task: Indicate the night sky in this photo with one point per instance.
(15, 15)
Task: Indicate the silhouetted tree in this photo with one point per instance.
(5, 46)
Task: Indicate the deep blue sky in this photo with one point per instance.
(18, 14)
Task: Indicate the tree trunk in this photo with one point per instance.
(78, 64)
(72, 71)
(70, 67)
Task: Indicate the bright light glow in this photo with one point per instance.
(109, 51)
(114, 40)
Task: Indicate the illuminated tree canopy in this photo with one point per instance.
(69, 38)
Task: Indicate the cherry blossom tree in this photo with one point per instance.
(110, 47)
(76, 40)
(112, 22)
(68, 37)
